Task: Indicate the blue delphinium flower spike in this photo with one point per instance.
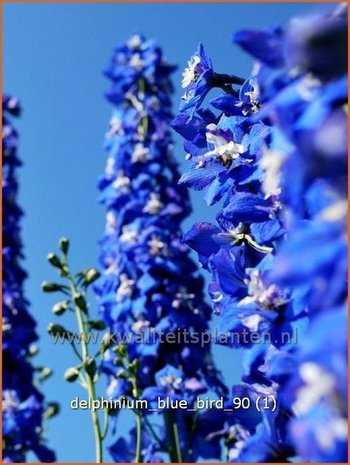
(275, 154)
(22, 403)
(150, 288)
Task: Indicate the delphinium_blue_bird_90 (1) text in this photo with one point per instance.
(23, 405)
(273, 150)
(150, 295)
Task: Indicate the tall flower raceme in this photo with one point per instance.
(150, 294)
(275, 151)
(23, 406)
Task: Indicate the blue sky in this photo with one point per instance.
(52, 60)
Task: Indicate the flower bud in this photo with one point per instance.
(133, 366)
(58, 330)
(99, 325)
(121, 350)
(60, 307)
(54, 260)
(63, 244)
(90, 367)
(51, 287)
(45, 373)
(71, 374)
(106, 342)
(121, 374)
(80, 301)
(33, 350)
(52, 410)
(91, 275)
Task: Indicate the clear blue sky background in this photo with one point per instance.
(53, 57)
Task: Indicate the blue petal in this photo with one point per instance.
(267, 231)
(244, 207)
(201, 238)
(266, 46)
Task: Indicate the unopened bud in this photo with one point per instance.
(60, 308)
(54, 260)
(71, 374)
(91, 275)
(63, 244)
(51, 287)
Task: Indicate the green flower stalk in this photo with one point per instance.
(87, 369)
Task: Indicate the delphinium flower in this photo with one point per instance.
(277, 154)
(150, 295)
(309, 116)
(224, 149)
(23, 405)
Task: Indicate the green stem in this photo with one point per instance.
(138, 458)
(88, 378)
(144, 119)
(106, 424)
(173, 438)
(95, 421)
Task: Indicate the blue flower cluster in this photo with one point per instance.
(150, 295)
(22, 403)
(273, 150)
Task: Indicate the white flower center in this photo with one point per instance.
(182, 296)
(267, 297)
(6, 326)
(157, 247)
(110, 167)
(122, 182)
(140, 154)
(136, 62)
(254, 93)
(134, 41)
(115, 127)
(111, 222)
(126, 287)
(9, 400)
(225, 151)
(138, 326)
(271, 163)
(128, 235)
(154, 205)
(318, 383)
(171, 380)
(189, 75)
